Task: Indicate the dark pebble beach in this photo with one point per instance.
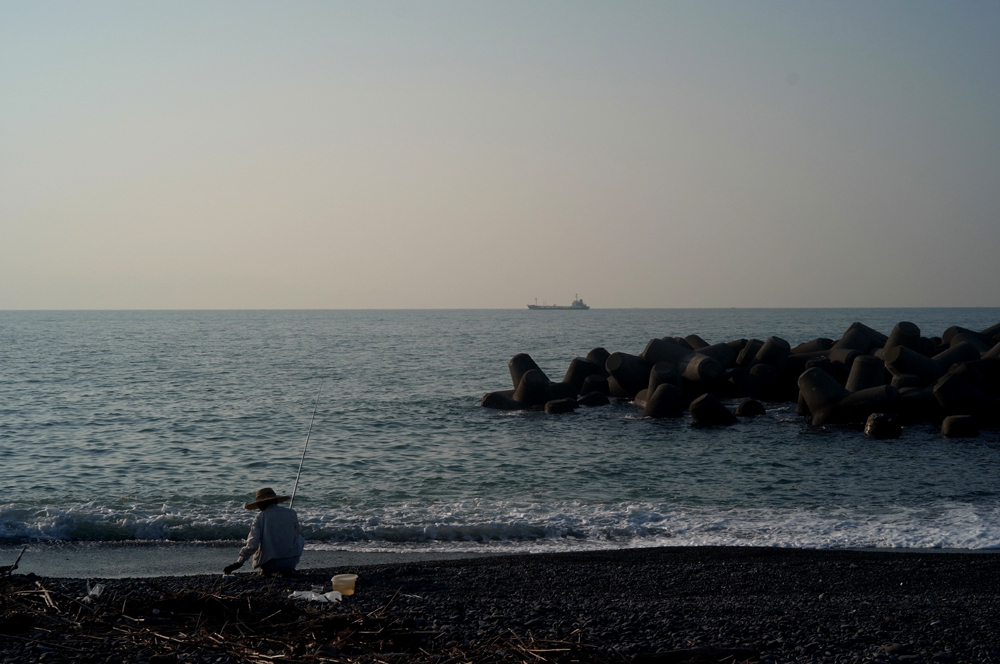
(692, 604)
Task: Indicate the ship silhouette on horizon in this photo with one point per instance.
(577, 305)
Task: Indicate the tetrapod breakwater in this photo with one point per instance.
(865, 376)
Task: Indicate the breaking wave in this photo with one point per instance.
(523, 527)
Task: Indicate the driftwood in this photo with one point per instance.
(243, 626)
(6, 570)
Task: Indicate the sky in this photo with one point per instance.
(339, 155)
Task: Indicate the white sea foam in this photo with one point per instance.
(521, 527)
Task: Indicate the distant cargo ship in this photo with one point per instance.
(577, 305)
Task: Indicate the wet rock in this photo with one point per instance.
(558, 406)
(960, 426)
(883, 426)
(501, 400)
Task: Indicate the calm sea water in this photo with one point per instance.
(160, 425)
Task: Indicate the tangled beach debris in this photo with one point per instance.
(641, 606)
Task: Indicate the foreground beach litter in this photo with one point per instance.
(686, 604)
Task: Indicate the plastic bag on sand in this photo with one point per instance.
(310, 596)
(92, 593)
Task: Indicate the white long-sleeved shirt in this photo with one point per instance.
(273, 534)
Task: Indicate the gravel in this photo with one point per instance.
(642, 605)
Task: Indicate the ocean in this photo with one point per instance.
(159, 425)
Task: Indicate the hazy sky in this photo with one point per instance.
(472, 154)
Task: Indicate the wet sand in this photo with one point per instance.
(116, 560)
(646, 605)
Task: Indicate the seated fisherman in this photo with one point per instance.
(275, 541)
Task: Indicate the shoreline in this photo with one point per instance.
(154, 558)
(629, 605)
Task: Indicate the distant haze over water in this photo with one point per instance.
(159, 425)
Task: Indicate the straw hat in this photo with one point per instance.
(265, 496)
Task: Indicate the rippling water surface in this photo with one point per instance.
(159, 425)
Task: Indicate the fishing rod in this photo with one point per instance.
(305, 447)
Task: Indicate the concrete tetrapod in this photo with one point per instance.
(991, 331)
(665, 401)
(844, 357)
(861, 338)
(774, 352)
(533, 390)
(680, 341)
(519, 365)
(501, 401)
(631, 373)
(561, 391)
(579, 370)
(821, 394)
(617, 391)
(906, 380)
(992, 353)
(745, 358)
(904, 334)
(857, 406)
(599, 356)
(973, 339)
(755, 382)
(692, 366)
(595, 383)
(707, 410)
(818, 344)
(724, 354)
(956, 395)
(983, 374)
(841, 381)
(557, 406)
(662, 373)
(867, 371)
(960, 426)
(737, 345)
(955, 330)
(962, 352)
(696, 342)
(901, 360)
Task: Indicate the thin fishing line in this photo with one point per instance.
(305, 447)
